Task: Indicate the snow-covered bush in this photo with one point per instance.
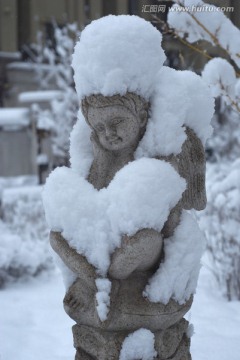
(24, 248)
(54, 71)
(221, 223)
(224, 144)
(191, 21)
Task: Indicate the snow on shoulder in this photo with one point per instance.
(180, 99)
(117, 54)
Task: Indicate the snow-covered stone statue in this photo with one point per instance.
(119, 217)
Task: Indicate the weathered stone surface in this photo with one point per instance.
(129, 257)
(173, 342)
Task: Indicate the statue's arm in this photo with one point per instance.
(143, 250)
(139, 252)
(74, 261)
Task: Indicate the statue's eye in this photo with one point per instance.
(99, 127)
(116, 121)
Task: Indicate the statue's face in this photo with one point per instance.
(116, 127)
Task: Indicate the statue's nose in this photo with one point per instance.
(110, 131)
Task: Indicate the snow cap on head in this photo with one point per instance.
(116, 54)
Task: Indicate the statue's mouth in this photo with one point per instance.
(114, 140)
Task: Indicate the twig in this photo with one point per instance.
(233, 103)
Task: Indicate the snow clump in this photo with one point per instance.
(103, 297)
(220, 76)
(138, 345)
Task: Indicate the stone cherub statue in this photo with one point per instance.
(145, 285)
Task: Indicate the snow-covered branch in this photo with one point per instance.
(196, 20)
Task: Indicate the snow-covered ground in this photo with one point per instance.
(34, 326)
(216, 322)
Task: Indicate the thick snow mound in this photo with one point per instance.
(181, 98)
(140, 196)
(117, 54)
(138, 345)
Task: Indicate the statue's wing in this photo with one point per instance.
(192, 166)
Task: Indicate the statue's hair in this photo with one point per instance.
(131, 101)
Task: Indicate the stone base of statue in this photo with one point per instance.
(92, 343)
(94, 339)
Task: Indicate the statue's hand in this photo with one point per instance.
(138, 252)
(100, 153)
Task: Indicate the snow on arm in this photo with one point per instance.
(177, 276)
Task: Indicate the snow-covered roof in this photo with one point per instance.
(14, 117)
